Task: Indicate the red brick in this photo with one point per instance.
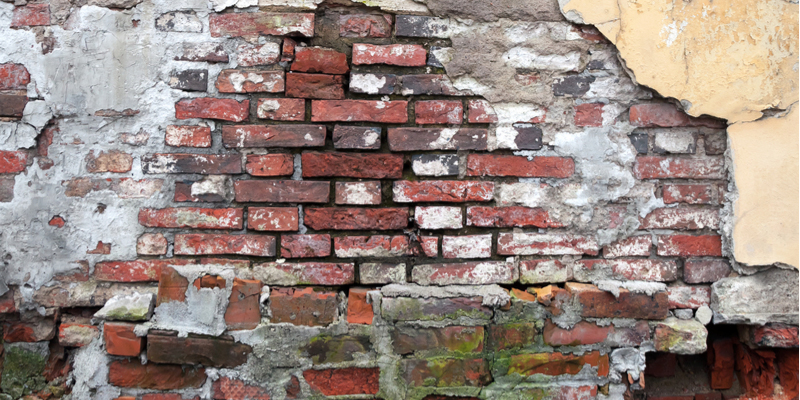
(404, 55)
(358, 193)
(464, 339)
(31, 15)
(278, 219)
(358, 310)
(598, 303)
(307, 273)
(207, 107)
(269, 164)
(545, 244)
(188, 136)
(705, 271)
(481, 112)
(12, 105)
(465, 273)
(210, 282)
(132, 374)
(243, 310)
(236, 263)
(629, 247)
(342, 381)
(14, 77)
(249, 245)
(656, 167)
(172, 286)
(426, 139)
(370, 246)
(192, 217)
(510, 217)
(319, 60)
(261, 23)
(429, 245)
(691, 194)
(120, 339)
(721, 360)
(521, 166)
(282, 109)
(447, 372)
(788, 371)
(365, 25)
(352, 165)
(772, 335)
(7, 304)
(438, 111)
(359, 111)
(356, 218)
(682, 218)
(263, 191)
(513, 335)
(467, 246)
(315, 86)
(303, 306)
(287, 50)
(136, 270)
(589, 114)
(249, 81)
(57, 221)
(635, 269)
(442, 191)
(686, 245)
(304, 246)
(111, 161)
(688, 296)
(232, 389)
(12, 162)
(183, 163)
(582, 333)
(667, 115)
(755, 370)
(219, 352)
(270, 136)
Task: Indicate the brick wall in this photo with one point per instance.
(316, 208)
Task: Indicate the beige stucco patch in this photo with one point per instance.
(765, 159)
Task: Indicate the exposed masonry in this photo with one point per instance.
(412, 200)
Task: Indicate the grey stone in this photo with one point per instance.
(179, 21)
(704, 315)
(684, 313)
(677, 336)
(131, 307)
(768, 296)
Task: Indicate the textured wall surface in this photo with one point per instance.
(388, 199)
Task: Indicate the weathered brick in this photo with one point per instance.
(465, 339)
(554, 364)
(314, 86)
(687, 245)
(357, 137)
(269, 164)
(442, 191)
(598, 303)
(435, 164)
(271, 136)
(438, 111)
(352, 165)
(421, 26)
(249, 245)
(688, 296)
(691, 194)
(438, 217)
(172, 286)
(281, 109)
(108, 161)
(430, 84)
(524, 244)
(280, 219)
(124, 188)
(682, 218)
(358, 193)
(12, 162)
(510, 336)
(433, 309)
(467, 246)
(404, 55)
(521, 136)
(183, 163)
(635, 269)
(31, 329)
(249, 55)
(165, 348)
(226, 388)
(573, 85)
(179, 21)
(12, 105)
(308, 273)
(368, 83)
(216, 192)
(282, 191)
(359, 110)
(359, 311)
(715, 143)
(667, 115)
(192, 217)
(203, 52)
(640, 141)
(31, 15)
(675, 142)
(446, 372)
(76, 334)
(429, 246)
(365, 25)
(303, 306)
(132, 374)
(509, 217)
(261, 23)
(697, 270)
(589, 114)
(134, 271)
(356, 218)
(520, 166)
(249, 81)
(287, 49)
(7, 189)
(120, 339)
(770, 335)
(425, 139)
(629, 247)
(211, 108)
(188, 136)
(14, 77)
(544, 271)
(721, 360)
(190, 80)
(480, 112)
(583, 333)
(319, 60)
(343, 381)
(654, 167)
(243, 311)
(304, 246)
(380, 273)
(466, 273)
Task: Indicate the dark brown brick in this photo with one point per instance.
(282, 191)
(352, 165)
(271, 136)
